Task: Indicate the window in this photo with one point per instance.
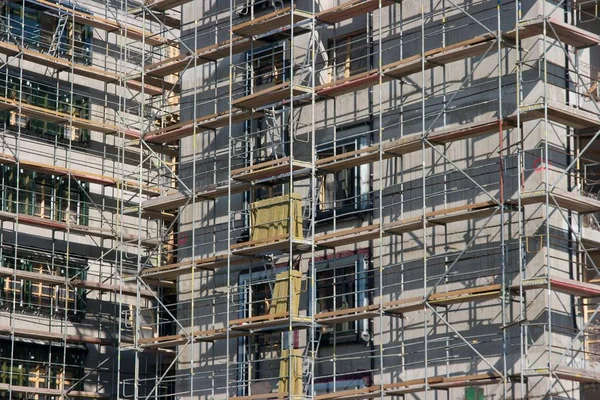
(474, 393)
(37, 366)
(49, 33)
(39, 297)
(261, 5)
(357, 380)
(347, 191)
(342, 284)
(258, 356)
(348, 55)
(270, 66)
(47, 97)
(45, 196)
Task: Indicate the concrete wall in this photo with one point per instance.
(449, 174)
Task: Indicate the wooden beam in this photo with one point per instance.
(79, 175)
(104, 24)
(61, 64)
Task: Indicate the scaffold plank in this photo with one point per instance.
(556, 29)
(349, 159)
(74, 228)
(208, 335)
(105, 24)
(62, 118)
(76, 283)
(347, 315)
(264, 396)
(211, 192)
(348, 236)
(562, 114)
(351, 84)
(164, 5)
(273, 23)
(61, 64)
(272, 169)
(574, 374)
(439, 56)
(273, 244)
(54, 336)
(276, 321)
(272, 95)
(203, 55)
(9, 159)
(562, 285)
(36, 391)
(587, 375)
(208, 122)
(172, 271)
(479, 293)
(350, 9)
(568, 200)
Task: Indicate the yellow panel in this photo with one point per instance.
(269, 218)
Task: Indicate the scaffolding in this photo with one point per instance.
(376, 198)
(278, 199)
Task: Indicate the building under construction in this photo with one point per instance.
(278, 199)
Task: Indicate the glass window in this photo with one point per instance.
(346, 191)
(40, 297)
(45, 196)
(348, 55)
(341, 285)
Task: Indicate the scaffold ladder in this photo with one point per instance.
(308, 367)
(58, 33)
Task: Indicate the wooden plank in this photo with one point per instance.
(556, 29)
(176, 200)
(207, 122)
(271, 95)
(74, 228)
(75, 283)
(562, 114)
(562, 285)
(347, 160)
(347, 315)
(107, 25)
(274, 22)
(271, 169)
(34, 391)
(399, 307)
(258, 318)
(466, 295)
(201, 56)
(350, 84)
(589, 375)
(55, 336)
(405, 226)
(164, 5)
(368, 392)
(61, 64)
(349, 10)
(262, 246)
(63, 118)
(263, 396)
(441, 55)
(348, 236)
(79, 175)
(568, 200)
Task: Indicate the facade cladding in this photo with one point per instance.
(275, 199)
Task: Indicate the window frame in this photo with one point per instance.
(361, 177)
(28, 299)
(361, 286)
(346, 42)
